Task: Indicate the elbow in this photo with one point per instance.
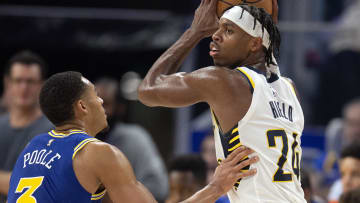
(146, 95)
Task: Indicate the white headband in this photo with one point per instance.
(248, 23)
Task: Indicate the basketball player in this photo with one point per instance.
(251, 104)
(69, 165)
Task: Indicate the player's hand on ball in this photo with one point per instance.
(228, 172)
(205, 20)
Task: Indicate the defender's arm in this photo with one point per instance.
(110, 168)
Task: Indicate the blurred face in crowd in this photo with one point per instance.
(182, 185)
(23, 85)
(350, 173)
(107, 93)
(352, 123)
(209, 155)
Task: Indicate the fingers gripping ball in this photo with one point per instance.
(222, 5)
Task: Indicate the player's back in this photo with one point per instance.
(44, 170)
(271, 127)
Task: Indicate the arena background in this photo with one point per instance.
(110, 38)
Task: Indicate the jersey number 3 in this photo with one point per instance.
(32, 184)
(280, 175)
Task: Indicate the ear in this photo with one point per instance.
(80, 108)
(255, 44)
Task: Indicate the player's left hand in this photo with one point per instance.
(228, 172)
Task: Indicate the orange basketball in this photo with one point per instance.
(222, 5)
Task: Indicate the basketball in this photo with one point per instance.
(222, 5)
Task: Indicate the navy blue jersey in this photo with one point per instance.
(44, 170)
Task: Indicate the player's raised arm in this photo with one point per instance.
(160, 80)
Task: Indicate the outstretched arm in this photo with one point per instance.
(161, 80)
(101, 163)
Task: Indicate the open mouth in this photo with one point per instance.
(214, 50)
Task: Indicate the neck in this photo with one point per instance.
(256, 61)
(74, 125)
(22, 117)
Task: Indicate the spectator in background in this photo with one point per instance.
(308, 190)
(23, 79)
(340, 133)
(187, 175)
(3, 101)
(352, 196)
(133, 140)
(341, 72)
(208, 153)
(350, 172)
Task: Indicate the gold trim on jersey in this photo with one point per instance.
(55, 134)
(98, 195)
(248, 76)
(234, 138)
(291, 86)
(234, 147)
(82, 144)
(234, 131)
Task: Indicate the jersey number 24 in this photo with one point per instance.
(280, 175)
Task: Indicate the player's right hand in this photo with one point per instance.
(228, 172)
(205, 20)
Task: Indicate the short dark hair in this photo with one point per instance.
(190, 163)
(352, 196)
(58, 95)
(27, 57)
(267, 22)
(351, 150)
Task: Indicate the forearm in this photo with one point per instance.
(4, 182)
(207, 194)
(170, 61)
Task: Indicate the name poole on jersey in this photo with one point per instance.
(39, 157)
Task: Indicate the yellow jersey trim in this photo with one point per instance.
(52, 133)
(248, 76)
(82, 144)
(233, 140)
(98, 196)
(234, 147)
(234, 131)
(291, 86)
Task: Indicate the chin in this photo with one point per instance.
(217, 63)
(220, 63)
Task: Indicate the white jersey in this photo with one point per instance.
(272, 127)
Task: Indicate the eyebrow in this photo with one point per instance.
(228, 24)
